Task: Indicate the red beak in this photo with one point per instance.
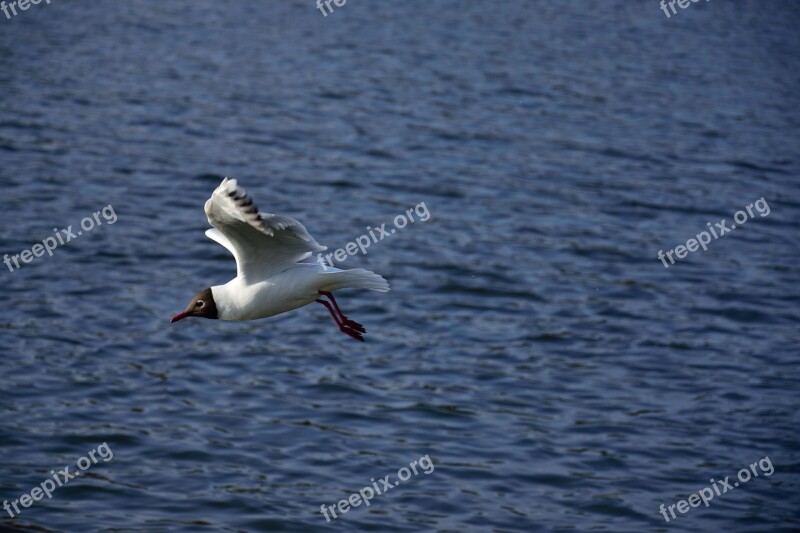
(179, 316)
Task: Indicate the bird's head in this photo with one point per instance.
(202, 305)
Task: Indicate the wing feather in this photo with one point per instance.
(216, 235)
(262, 243)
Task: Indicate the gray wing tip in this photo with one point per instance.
(267, 223)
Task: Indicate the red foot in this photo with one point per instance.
(346, 321)
(345, 327)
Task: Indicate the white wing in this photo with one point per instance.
(263, 244)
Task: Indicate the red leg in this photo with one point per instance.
(342, 327)
(346, 321)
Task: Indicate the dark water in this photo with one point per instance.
(533, 346)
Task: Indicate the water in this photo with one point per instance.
(533, 346)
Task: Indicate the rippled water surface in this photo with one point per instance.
(533, 346)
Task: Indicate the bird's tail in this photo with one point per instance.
(358, 278)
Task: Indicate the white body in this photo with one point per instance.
(288, 290)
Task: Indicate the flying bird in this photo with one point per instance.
(270, 275)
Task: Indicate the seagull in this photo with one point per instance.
(270, 275)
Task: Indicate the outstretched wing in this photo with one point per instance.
(263, 244)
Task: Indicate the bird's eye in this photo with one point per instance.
(200, 303)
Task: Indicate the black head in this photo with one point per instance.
(202, 305)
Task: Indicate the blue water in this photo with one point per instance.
(533, 346)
